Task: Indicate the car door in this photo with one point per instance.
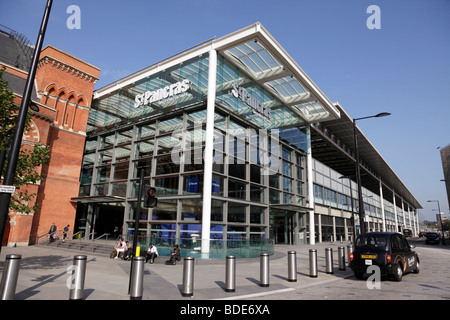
(396, 249)
(409, 256)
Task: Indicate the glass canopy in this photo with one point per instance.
(262, 66)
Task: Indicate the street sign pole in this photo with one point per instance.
(136, 222)
(5, 198)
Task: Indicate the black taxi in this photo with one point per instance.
(388, 250)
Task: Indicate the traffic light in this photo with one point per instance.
(150, 200)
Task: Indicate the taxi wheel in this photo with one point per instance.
(417, 270)
(397, 272)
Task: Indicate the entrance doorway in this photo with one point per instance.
(100, 218)
(282, 226)
(109, 219)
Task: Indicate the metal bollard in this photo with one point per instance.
(230, 274)
(264, 270)
(188, 277)
(10, 275)
(329, 260)
(76, 285)
(313, 263)
(341, 257)
(349, 252)
(137, 278)
(292, 266)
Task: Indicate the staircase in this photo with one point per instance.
(100, 247)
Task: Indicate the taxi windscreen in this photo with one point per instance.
(377, 241)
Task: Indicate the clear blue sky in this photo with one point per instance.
(402, 68)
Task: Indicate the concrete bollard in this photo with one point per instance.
(76, 284)
(292, 266)
(230, 274)
(10, 276)
(341, 257)
(313, 263)
(137, 278)
(329, 260)
(264, 270)
(188, 277)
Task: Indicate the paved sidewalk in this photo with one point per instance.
(43, 275)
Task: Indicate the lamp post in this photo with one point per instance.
(440, 219)
(10, 172)
(358, 169)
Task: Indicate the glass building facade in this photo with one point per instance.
(222, 131)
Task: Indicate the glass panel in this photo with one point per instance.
(91, 145)
(193, 160)
(168, 144)
(236, 233)
(257, 214)
(124, 136)
(119, 189)
(147, 164)
(121, 170)
(170, 125)
(164, 234)
(217, 208)
(105, 156)
(193, 184)
(236, 170)
(256, 193)
(287, 184)
(146, 131)
(274, 196)
(191, 209)
(107, 141)
(236, 189)
(101, 189)
(123, 153)
(88, 159)
(217, 185)
(86, 175)
(145, 149)
(166, 210)
(103, 174)
(195, 118)
(165, 165)
(236, 212)
(168, 185)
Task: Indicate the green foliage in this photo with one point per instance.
(29, 159)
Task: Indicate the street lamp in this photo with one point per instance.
(358, 169)
(440, 219)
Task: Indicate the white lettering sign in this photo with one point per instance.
(242, 94)
(7, 189)
(162, 93)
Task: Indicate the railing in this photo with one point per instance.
(98, 238)
(218, 248)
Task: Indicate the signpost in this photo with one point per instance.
(7, 189)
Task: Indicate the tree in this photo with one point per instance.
(29, 158)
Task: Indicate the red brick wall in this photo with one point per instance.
(65, 85)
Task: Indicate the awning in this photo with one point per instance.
(289, 207)
(98, 199)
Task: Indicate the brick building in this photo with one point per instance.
(62, 92)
